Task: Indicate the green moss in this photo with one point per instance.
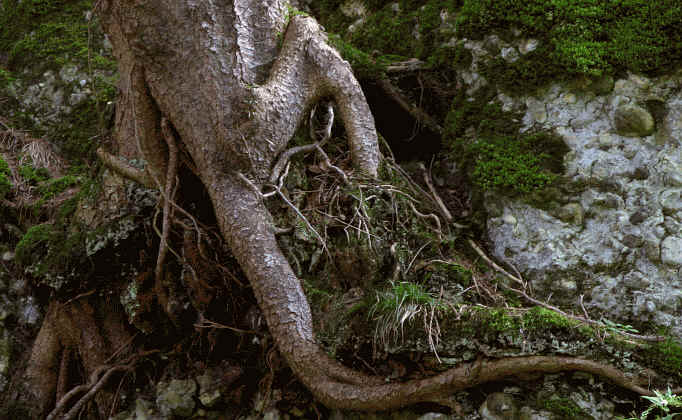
(34, 240)
(666, 356)
(5, 183)
(498, 320)
(50, 32)
(539, 319)
(411, 31)
(577, 38)
(364, 65)
(587, 37)
(566, 408)
(457, 57)
(56, 186)
(486, 140)
(5, 78)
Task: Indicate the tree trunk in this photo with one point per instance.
(215, 73)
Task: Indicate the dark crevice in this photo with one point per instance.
(409, 139)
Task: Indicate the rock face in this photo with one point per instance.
(176, 397)
(614, 234)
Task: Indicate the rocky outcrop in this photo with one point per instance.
(614, 230)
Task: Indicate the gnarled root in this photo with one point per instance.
(245, 226)
(91, 329)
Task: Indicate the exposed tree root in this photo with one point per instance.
(97, 380)
(172, 170)
(125, 170)
(234, 167)
(77, 328)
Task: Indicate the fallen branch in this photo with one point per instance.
(417, 113)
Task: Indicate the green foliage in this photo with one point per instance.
(399, 296)
(51, 252)
(398, 305)
(510, 163)
(5, 175)
(32, 175)
(54, 187)
(618, 328)
(5, 78)
(542, 319)
(577, 38)
(364, 65)
(662, 403)
(393, 31)
(52, 32)
(34, 241)
(532, 71)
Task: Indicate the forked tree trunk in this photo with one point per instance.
(215, 71)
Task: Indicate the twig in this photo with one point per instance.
(417, 113)
(427, 179)
(413, 64)
(416, 255)
(207, 323)
(490, 262)
(82, 295)
(329, 164)
(428, 216)
(583, 307)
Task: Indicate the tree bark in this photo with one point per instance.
(234, 97)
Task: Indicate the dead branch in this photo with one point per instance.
(413, 64)
(417, 113)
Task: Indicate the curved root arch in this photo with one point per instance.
(306, 69)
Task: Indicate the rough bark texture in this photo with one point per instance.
(90, 329)
(215, 71)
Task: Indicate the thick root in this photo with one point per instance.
(244, 224)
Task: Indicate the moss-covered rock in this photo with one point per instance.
(176, 397)
(633, 121)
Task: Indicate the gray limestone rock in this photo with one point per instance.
(671, 251)
(616, 233)
(498, 406)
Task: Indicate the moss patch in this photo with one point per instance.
(588, 37)
(49, 32)
(485, 139)
(566, 408)
(666, 356)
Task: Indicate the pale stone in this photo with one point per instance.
(528, 45)
(176, 397)
(671, 250)
(509, 54)
(498, 406)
